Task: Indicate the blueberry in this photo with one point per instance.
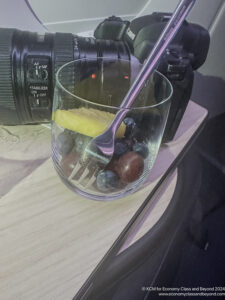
(121, 147)
(64, 143)
(141, 149)
(138, 134)
(80, 142)
(130, 125)
(107, 180)
(130, 142)
(129, 122)
(70, 132)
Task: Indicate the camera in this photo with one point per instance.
(29, 62)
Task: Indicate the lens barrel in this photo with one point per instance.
(28, 64)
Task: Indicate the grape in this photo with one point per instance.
(130, 167)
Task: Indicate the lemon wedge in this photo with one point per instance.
(90, 122)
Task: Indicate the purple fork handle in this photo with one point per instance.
(164, 40)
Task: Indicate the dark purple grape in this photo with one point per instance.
(130, 126)
(107, 180)
(64, 143)
(121, 147)
(130, 166)
(141, 149)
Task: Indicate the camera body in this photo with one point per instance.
(29, 62)
(187, 53)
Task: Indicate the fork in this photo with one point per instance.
(101, 148)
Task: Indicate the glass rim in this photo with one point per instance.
(110, 106)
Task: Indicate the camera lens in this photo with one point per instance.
(28, 64)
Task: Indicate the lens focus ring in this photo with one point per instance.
(63, 49)
(8, 113)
